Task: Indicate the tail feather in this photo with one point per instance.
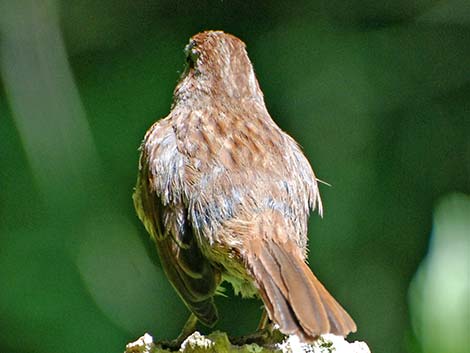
(340, 321)
(275, 301)
(302, 294)
(294, 298)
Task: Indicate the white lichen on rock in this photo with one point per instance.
(143, 345)
(324, 344)
(196, 342)
(218, 342)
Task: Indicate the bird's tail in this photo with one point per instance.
(294, 298)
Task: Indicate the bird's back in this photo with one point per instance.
(238, 163)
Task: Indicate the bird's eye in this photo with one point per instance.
(191, 54)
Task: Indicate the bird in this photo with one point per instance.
(226, 194)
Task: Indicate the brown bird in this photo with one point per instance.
(226, 194)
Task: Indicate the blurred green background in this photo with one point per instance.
(376, 92)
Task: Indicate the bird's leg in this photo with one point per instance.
(263, 321)
(188, 328)
(265, 334)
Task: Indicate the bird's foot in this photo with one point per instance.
(188, 329)
(264, 337)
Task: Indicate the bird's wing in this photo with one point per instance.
(158, 204)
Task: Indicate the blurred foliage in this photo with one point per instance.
(377, 93)
(440, 291)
